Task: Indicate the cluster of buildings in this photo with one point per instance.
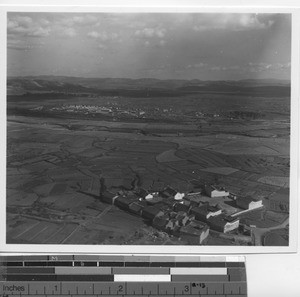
(113, 109)
(82, 108)
(95, 109)
(182, 214)
(77, 108)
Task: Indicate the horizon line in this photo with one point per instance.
(160, 79)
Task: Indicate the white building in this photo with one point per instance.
(248, 203)
(179, 196)
(213, 191)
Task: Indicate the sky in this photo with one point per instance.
(206, 46)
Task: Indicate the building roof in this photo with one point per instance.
(204, 210)
(168, 192)
(246, 199)
(210, 188)
(193, 229)
(108, 194)
(182, 207)
(219, 221)
(124, 202)
(150, 212)
(230, 219)
(137, 207)
(198, 224)
(154, 200)
(171, 202)
(160, 222)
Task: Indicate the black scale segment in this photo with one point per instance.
(30, 270)
(59, 278)
(162, 264)
(11, 264)
(111, 264)
(85, 263)
(137, 264)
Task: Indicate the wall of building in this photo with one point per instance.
(231, 226)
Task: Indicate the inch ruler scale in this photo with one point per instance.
(128, 276)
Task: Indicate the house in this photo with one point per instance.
(137, 207)
(150, 212)
(154, 200)
(124, 202)
(222, 223)
(183, 205)
(108, 197)
(179, 196)
(149, 196)
(194, 233)
(171, 193)
(182, 218)
(168, 193)
(160, 222)
(194, 198)
(152, 195)
(132, 196)
(245, 229)
(213, 191)
(172, 214)
(172, 226)
(205, 211)
(170, 202)
(248, 203)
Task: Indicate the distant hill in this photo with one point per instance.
(144, 87)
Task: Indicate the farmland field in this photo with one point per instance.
(56, 159)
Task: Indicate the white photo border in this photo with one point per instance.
(145, 249)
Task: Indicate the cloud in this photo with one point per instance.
(233, 22)
(150, 33)
(162, 42)
(85, 20)
(101, 46)
(260, 67)
(69, 32)
(197, 65)
(225, 68)
(103, 36)
(254, 67)
(23, 45)
(26, 26)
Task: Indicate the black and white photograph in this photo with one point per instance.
(148, 128)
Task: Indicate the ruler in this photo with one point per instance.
(132, 276)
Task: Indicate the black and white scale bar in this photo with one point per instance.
(118, 264)
(123, 288)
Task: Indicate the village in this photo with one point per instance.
(112, 109)
(109, 109)
(189, 216)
